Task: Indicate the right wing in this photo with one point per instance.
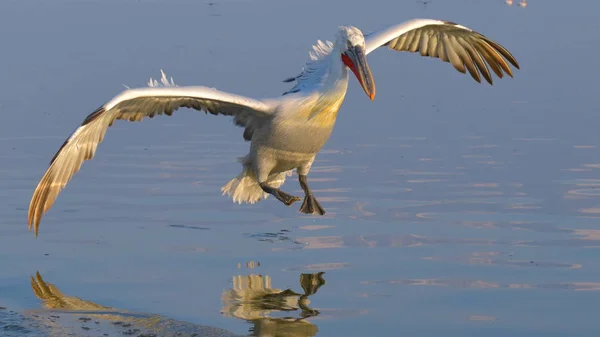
(134, 105)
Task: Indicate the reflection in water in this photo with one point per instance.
(253, 299)
(73, 316)
(282, 235)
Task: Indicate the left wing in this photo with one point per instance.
(464, 48)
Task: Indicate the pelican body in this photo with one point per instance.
(285, 132)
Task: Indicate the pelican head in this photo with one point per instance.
(352, 45)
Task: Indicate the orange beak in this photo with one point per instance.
(355, 59)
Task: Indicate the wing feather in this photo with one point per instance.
(465, 49)
(476, 57)
(415, 42)
(496, 56)
(424, 45)
(466, 59)
(483, 50)
(452, 55)
(441, 51)
(135, 105)
(432, 47)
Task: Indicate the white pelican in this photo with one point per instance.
(286, 132)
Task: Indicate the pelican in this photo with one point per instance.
(286, 132)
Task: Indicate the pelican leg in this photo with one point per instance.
(310, 204)
(287, 199)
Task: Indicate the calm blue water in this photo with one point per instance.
(454, 208)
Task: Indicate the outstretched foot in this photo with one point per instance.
(310, 204)
(285, 198)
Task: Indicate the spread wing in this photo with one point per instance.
(465, 49)
(134, 105)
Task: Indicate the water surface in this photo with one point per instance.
(454, 208)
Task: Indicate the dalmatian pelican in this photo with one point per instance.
(286, 132)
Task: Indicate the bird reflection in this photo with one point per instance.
(253, 299)
(120, 322)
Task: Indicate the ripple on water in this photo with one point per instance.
(501, 259)
(587, 239)
(592, 192)
(482, 284)
(320, 266)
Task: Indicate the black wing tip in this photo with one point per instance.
(91, 117)
(515, 63)
(60, 149)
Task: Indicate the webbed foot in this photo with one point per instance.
(310, 204)
(285, 198)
